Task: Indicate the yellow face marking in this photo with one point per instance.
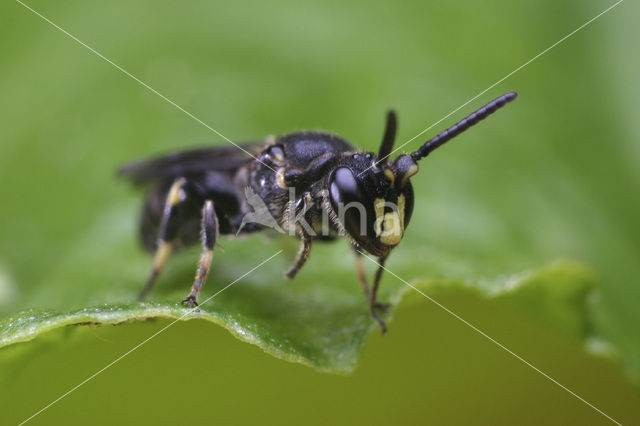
(389, 227)
(378, 205)
(390, 175)
(392, 233)
(412, 171)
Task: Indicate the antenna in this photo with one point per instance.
(389, 135)
(462, 125)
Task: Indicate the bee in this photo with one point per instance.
(314, 184)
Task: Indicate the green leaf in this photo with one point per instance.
(320, 319)
(320, 327)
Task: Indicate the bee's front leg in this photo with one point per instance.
(373, 304)
(362, 276)
(303, 254)
(300, 210)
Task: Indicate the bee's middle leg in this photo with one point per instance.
(210, 234)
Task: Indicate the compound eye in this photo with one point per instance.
(347, 201)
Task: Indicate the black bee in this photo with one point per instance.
(313, 184)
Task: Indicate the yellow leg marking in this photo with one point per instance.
(204, 265)
(159, 260)
(162, 255)
(176, 193)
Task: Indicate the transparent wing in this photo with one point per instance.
(193, 161)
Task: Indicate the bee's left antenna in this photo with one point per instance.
(463, 125)
(389, 136)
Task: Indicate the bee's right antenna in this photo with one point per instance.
(463, 125)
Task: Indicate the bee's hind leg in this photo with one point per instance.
(209, 236)
(167, 232)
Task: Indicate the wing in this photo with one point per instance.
(226, 158)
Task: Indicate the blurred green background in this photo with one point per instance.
(554, 176)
